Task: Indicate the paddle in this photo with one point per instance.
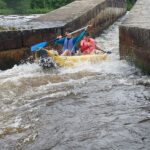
(38, 46)
(98, 48)
(43, 44)
(108, 52)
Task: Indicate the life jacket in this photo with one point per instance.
(84, 45)
(69, 45)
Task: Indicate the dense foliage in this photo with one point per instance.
(130, 3)
(36, 6)
(30, 6)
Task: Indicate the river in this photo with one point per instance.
(15, 20)
(105, 106)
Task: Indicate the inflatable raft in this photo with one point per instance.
(69, 61)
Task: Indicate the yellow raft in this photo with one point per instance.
(69, 61)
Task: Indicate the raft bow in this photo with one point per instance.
(69, 61)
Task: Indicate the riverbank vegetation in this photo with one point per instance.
(8, 28)
(130, 4)
(30, 6)
(37, 6)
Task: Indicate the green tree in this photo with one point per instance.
(18, 6)
(26, 6)
(59, 3)
(130, 3)
(2, 4)
(15, 4)
(38, 4)
(49, 3)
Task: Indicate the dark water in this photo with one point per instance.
(105, 106)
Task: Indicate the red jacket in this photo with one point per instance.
(87, 46)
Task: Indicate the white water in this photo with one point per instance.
(15, 20)
(68, 107)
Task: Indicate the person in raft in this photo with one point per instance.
(69, 42)
(88, 46)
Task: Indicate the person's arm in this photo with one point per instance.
(97, 47)
(59, 41)
(79, 37)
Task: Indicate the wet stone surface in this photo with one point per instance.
(139, 15)
(135, 36)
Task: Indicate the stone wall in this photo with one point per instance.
(99, 13)
(135, 36)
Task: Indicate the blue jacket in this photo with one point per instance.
(70, 44)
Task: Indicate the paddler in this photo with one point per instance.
(69, 42)
(88, 46)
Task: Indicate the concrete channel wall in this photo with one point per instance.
(15, 45)
(135, 36)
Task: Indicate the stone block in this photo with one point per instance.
(10, 40)
(134, 36)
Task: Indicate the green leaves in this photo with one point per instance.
(49, 3)
(59, 3)
(130, 3)
(2, 4)
(22, 6)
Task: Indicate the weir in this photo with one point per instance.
(15, 45)
(135, 36)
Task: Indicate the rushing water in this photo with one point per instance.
(15, 20)
(23, 22)
(105, 106)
